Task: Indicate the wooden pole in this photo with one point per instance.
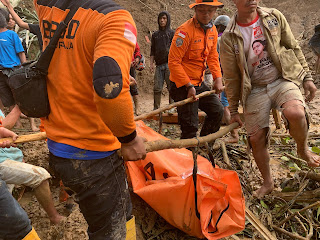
(42, 136)
(27, 138)
(184, 143)
(176, 104)
(150, 146)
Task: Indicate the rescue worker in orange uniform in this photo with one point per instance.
(194, 45)
(91, 111)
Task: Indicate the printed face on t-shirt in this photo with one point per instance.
(260, 64)
(258, 48)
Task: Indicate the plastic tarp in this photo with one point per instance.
(166, 180)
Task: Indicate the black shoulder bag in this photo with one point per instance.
(29, 83)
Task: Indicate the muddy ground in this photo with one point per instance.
(302, 16)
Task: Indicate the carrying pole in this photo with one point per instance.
(150, 146)
(169, 106)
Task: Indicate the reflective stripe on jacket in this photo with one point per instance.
(282, 47)
(190, 51)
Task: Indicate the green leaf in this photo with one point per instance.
(318, 213)
(286, 140)
(284, 158)
(315, 150)
(263, 204)
(294, 167)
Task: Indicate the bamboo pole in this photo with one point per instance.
(169, 106)
(26, 138)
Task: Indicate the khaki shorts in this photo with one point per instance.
(264, 98)
(19, 173)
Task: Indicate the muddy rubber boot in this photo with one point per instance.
(136, 105)
(32, 235)
(156, 100)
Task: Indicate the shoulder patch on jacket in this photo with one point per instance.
(107, 78)
(179, 42)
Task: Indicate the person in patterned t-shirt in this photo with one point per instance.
(263, 66)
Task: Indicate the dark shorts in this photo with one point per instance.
(102, 193)
(5, 91)
(15, 223)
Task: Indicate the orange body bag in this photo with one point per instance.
(166, 180)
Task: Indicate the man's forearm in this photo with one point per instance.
(22, 57)
(16, 18)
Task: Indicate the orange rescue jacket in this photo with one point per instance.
(190, 51)
(79, 116)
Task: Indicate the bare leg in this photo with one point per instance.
(295, 114)
(234, 133)
(10, 120)
(33, 125)
(44, 197)
(18, 122)
(262, 158)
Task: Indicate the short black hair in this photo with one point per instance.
(162, 14)
(3, 22)
(5, 13)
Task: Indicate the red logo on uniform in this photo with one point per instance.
(257, 32)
